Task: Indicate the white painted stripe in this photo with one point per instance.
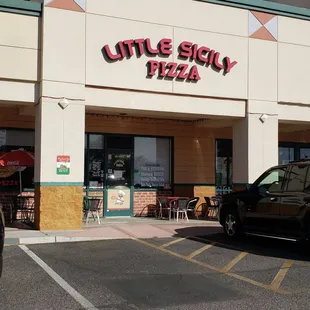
(59, 280)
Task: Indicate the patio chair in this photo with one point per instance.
(191, 206)
(211, 207)
(163, 205)
(181, 208)
(93, 208)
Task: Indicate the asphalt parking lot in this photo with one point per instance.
(171, 273)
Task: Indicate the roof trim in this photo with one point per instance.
(25, 7)
(266, 6)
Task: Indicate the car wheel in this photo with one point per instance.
(232, 227)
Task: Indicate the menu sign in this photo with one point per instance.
(96, 168)
(152, 176)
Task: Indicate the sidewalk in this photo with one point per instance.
(117, 228)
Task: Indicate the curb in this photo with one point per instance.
(56, 239)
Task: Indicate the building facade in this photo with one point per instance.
(134, 102)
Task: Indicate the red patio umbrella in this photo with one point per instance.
(17, 158)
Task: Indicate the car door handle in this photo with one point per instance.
(273, 199)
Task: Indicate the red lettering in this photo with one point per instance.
(153, 66)
(185, 49)
(211, 56)
(172, 71)
(202, 53)
(139, 43)
(149, 47)
(194, 48)
(128, 44)
(162, 70)
(182, 74)
(109, 53)
(228, 64)
(122, 49)
(194, 74)
(216, 61)
(165, 46)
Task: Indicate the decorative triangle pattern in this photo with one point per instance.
(263, 26)
(70, 5)
(254, 24)
(81, 3)
(262, 17)
(263, 34)
(272, 27)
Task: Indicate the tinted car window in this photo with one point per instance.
(307, 185)
(296, 179)
(272, 181)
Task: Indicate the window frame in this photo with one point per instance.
(171, 157)
(266, 173)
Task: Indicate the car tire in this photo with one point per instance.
(232, 226)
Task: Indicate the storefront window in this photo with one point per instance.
(290, 151)
(152, 162)
(286, 154)
(94, 158)
(10, 140)
(223, 166)
(305, 153)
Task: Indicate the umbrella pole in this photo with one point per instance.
(20, 180)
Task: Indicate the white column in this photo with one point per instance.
(255, 146)
(60, 120)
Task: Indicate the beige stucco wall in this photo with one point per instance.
(20, 57)
(19, 46)
(293, 51)
(132, 21)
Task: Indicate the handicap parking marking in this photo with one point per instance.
(177, 240)
(276, 283)
(233, 262)
(199, 251)
(213, 268)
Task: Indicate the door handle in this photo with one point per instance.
(273, 199)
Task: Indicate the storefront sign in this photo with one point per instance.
(63, 164)
(203, 56)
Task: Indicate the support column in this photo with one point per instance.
(255, 145)
(60, 118)
(59, 197)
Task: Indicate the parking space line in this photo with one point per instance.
(233, 262)
(172, 242)
(59, 280)
(199, 251)
(276, 283)
(174, 254)
(194, 261)
(256, 283)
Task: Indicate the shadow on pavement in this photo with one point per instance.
(254, 245)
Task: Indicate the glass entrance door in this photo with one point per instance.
(118, 183)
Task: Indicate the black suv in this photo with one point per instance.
(276, 205)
